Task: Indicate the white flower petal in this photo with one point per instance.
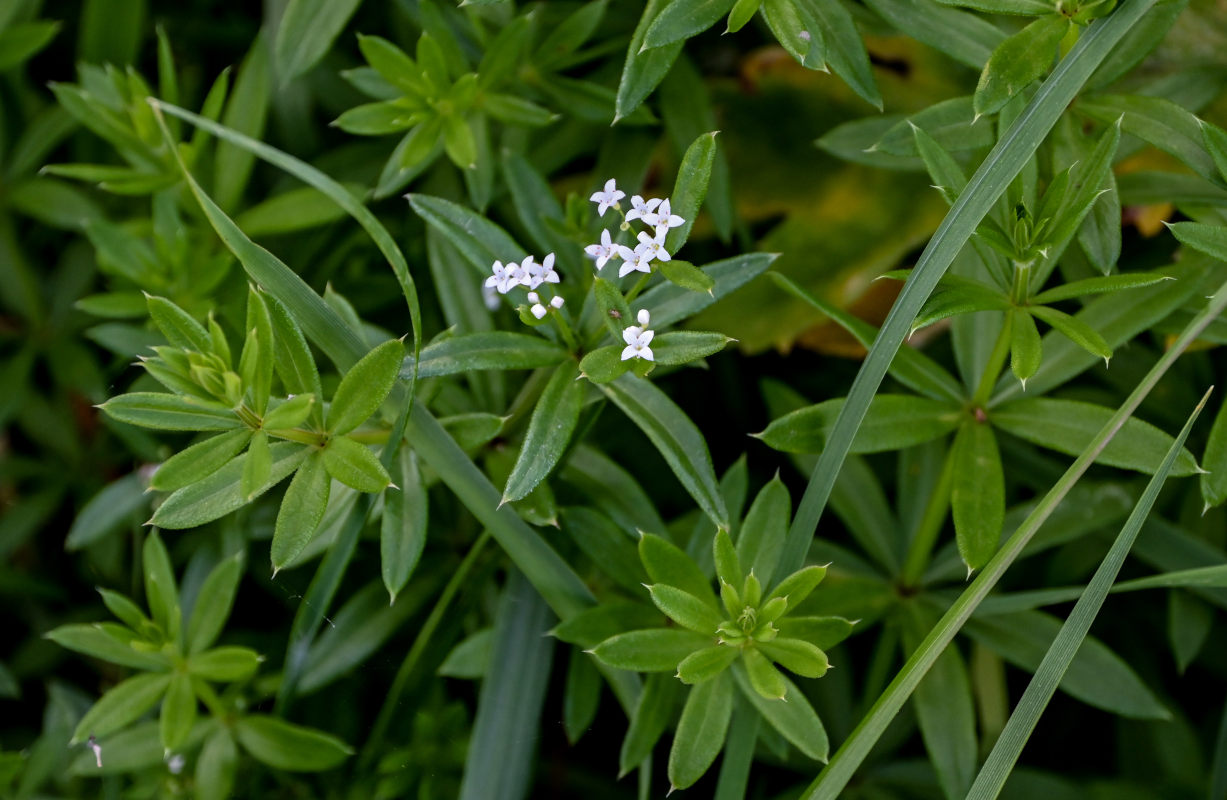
(628, 352)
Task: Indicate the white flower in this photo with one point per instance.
(175, 763)
(537, 274)
(663, 218)
(641, 208)
(608, 197)
(504, 278)
(653, 246)
(637, 338)
(601, 253)
(635, 261)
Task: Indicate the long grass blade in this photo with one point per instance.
(1043, 685)
(1001, 165)
(849, 756)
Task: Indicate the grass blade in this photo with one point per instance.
(1039, 691)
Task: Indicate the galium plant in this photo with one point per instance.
(543, 278)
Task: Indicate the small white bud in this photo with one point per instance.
(533, 298)
(538, 311)
(557, 301)
(644, 317)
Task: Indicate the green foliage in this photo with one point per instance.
(550, 437)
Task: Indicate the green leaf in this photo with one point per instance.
(1026, 349)
(479, 240)
(178, 712)
(652, 650)
(950, 125)
(643, 69)
(967, 38)
(1215, 140)
(288, 212)
(1108, 283)
(119, 502)
(845, 51)
(668, 564)
(213, 603)
(681, 19)
(693, 175)
(125, 703)
(893, 422)
(651, 715)
(590, 627)
(959, 296)
(1018, 61)
(687, 275)
(1024, 8)
(1208, 239)
(307, 30)
(487, 350)
(354, 465)
(225, 664)
(364, 388)
(177, 325)
(604, 364)
(19, 43)
(685, 609)
(766, 681)
(675, 437)
(161, 592)
(108, 642)
(977, 497)
(796, 655)
(291, 413)
(402, 531)
(703, 665)
(197, 462)
(581, 696)
(282, 745)
(257, 466)
(794, 718)
(1096, 676)
(762, 535)
(671, 304)
(1075, 330)
(1158, 122)
(549, 431)
(170, 412)
(797, 28)
(220, 493)
(1068, 426)
(216, 765)
(822, 632)
(246, 112)
(302, 508)
(683, 347)
(798, 586)
(701, 731)
(124, 609)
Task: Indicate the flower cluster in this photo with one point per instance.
(655, 213)
(529, 274)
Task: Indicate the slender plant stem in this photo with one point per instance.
(931, 523)
(995, 363)
(420, 643)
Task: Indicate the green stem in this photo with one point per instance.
(995, 363)
(425, 634)
(931, 523)
(637, 288)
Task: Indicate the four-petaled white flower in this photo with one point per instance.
(663, 218)
(537, 274)
(637, 338)
(505, 278)
(609, 196)
(640, 209)
(653, 246)
(607, 249)
(638, 261)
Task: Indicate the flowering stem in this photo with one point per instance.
(996, 360)
(930, 526)
(637, 288)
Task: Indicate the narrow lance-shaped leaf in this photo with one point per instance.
(1018, 61)
(364, 388)
(549, 431)
(701, 731)
(402, 532)
(302, 508)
